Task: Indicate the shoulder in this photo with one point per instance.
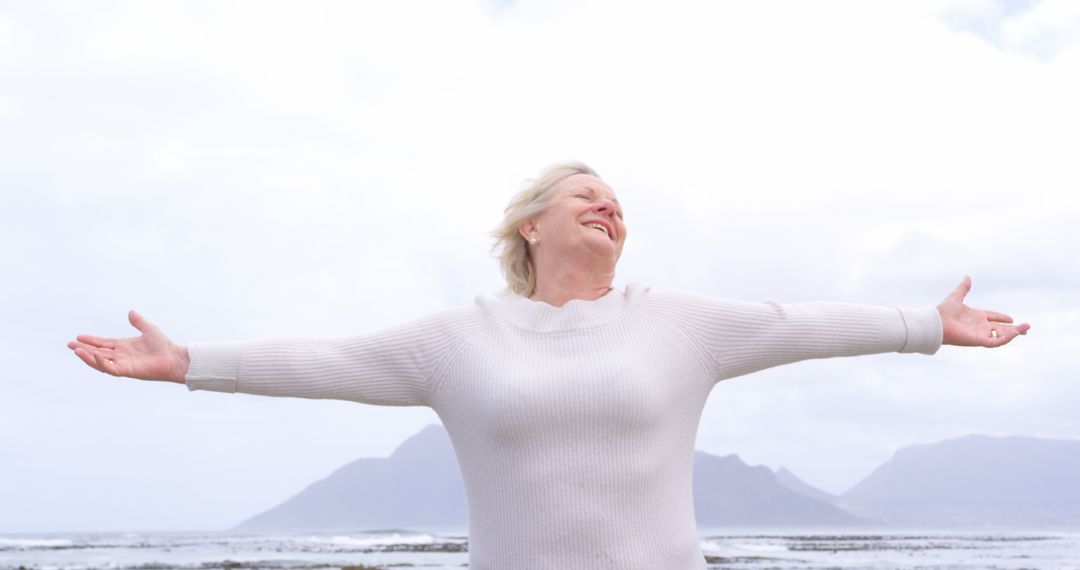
(444, 324)
(671, 300)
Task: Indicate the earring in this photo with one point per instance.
(532, 240)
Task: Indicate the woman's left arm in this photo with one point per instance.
(962, 325)
(741, 337)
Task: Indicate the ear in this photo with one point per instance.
(528, 228)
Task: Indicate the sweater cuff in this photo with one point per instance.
(924, 331)
(214, 366)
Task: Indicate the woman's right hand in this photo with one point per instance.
(151, 356)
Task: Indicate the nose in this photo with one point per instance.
(606, 207)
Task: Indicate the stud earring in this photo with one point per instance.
(532, 240)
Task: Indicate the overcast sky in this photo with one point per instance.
(240, 170)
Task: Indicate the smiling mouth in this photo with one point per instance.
(601, 228)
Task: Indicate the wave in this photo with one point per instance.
(29, 543)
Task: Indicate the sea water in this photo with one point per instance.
(442, 550)
(926, 550)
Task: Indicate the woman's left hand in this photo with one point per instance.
(966, 326)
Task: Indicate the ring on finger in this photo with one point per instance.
(993, 333)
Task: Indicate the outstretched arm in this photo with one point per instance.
(966, 326)
(742, 337)
(396, 366)
(151, 356)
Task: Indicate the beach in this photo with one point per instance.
(443, 549)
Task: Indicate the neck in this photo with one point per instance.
(564, 283)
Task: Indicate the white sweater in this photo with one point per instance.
(574, 427)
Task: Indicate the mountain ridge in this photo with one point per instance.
(969, 480)
(974, 480)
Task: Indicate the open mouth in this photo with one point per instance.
(600, 227)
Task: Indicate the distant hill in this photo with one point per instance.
(728, 492)
(975, 480)
(420, 485)
(789, 480)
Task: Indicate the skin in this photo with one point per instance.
(151, 356)
(572, 261)
(966, 326)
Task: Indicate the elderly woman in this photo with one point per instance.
(572, 407)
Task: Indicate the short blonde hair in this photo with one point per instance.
(510, 246)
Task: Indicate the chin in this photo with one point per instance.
(609, 255)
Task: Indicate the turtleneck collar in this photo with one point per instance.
(538, 316)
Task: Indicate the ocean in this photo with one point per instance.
(443, 550)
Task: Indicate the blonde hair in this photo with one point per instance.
(510, 246)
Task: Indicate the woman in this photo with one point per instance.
(572, 407)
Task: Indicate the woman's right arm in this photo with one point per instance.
(396, 367)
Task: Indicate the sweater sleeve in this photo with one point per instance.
(740, 337)
(396, 367)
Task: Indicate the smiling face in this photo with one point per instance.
(583, 218)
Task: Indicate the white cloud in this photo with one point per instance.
(1041, 29)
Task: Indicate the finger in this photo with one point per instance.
(1002, 335)
(86, 357)
(74, 345)
(961, 290)
(106, 352)
(96, 341)
(96, 359)
(997, 317)
(997, 337)
(1008, 336)
(139, 322)
(105, 364)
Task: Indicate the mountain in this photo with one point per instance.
(728, 492)
(978, 479)
(420, 485)
(789, 480)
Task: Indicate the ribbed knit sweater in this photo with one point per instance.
(574, 427)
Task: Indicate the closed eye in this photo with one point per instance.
(589, 196)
